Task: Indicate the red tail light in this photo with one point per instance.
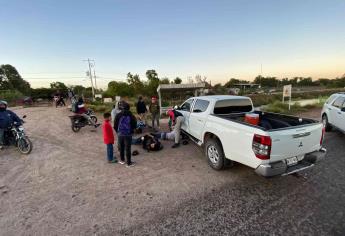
(322, 136)
(262, 146)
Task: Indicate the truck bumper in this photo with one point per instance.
(280, 167)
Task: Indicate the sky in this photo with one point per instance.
(48, 40)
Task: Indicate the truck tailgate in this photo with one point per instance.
(295, 141)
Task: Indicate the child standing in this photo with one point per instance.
(108, 136)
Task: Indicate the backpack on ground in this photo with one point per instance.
(125, 125)
(148, 140)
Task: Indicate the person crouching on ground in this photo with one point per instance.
(177, 120)
(125, 123)
(108, 136)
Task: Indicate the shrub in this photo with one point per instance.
(11, 96)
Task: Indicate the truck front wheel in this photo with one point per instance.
(215, 154)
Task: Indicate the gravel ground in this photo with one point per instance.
(66, 187)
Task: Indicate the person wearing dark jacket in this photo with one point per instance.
(141, 109)
(7, 118)
(124, 125)
(155, 111)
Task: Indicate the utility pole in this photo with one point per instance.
(94, 75)
(90, 74)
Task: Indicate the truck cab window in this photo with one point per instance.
(187, 105)
(339, 102)
(200, 105)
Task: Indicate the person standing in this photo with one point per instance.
(155, 111)
(177, 120)
(116, 110)
(141, 109)
(124, 125)
(108, 136)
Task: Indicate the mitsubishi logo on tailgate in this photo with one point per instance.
(300, 144)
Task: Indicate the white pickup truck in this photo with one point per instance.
(277, 145)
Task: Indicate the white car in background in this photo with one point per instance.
(333, 112)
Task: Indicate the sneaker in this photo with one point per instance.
(121, 162)
(113, 161)
(131, 165)
(175, 145)
(97, 125)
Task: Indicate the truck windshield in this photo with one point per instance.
(233, 106)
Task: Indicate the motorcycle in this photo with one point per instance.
(78, 121)
(16, 136)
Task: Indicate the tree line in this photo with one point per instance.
(135, 86)
(299, 82)
(11, 80)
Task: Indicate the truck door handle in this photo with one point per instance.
(199, 120)
(339, 112)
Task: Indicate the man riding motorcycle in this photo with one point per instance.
(82, 111)
(7, 118)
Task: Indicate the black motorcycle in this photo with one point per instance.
(79, 121)
(15, 136)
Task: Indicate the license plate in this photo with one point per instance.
(291, 161)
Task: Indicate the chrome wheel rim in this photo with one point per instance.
(213, 154)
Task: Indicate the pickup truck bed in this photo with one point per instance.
(271, 121)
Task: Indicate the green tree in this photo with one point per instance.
(177, 80)
(305, 81)
(11, 79)
(231, 82)
(164, 81)
(151, 75)
(135, 83)
(118, 89)
(58, 86)
(266, 81)
(152, 83)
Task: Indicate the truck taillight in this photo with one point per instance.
(322, 135)
(262, 146)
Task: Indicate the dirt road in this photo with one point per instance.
(66, 187)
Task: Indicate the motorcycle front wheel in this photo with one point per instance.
(24, 145)
(75, 128)
(94, 119)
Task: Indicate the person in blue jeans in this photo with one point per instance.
(108, 136)
(124, 125)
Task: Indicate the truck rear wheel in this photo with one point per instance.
(215, 155)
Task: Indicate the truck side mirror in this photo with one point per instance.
(343, 109)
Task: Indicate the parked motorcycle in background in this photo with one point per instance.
(79, 121)
(15, 136)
